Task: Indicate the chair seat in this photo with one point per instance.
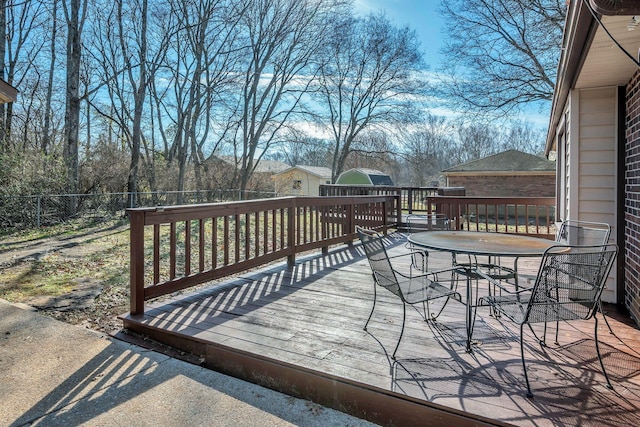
(419, 289)
(514, 306)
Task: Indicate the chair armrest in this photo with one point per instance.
(499, 284)
(412, 264)
(413, 253)
(428, 274)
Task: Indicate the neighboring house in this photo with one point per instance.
(263, 166)
(261, 179)
(511, 173)
(364, 177)
(301, 180)
(595, 134)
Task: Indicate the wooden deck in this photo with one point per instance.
(299, 330)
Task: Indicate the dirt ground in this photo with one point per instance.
(91, 302)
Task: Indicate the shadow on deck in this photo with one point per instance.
(299, 330)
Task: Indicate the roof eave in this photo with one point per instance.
(580, 28)
(8, 93)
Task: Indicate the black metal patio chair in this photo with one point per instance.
(574, 232)
(420, 288)
(568, 286)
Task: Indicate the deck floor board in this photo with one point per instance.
(312, 316)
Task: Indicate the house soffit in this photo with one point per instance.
(606, 64)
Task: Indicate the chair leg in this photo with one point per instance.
(524, 365)
(434, 317)
(542, 341)
(604, 317)
(454, 287)
(404, 317)
(609, 386)
(375, 295)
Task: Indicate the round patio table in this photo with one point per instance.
(481, 243)
(473, 244)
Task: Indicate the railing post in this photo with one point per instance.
(409, 200)
(136, 259)
(350, 224)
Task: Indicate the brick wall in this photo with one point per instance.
(632, 199)
(506, 186)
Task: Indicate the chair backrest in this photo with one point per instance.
(427, 222)
(569, 283)
(378, 258)
(573, 232)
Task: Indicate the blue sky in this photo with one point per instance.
(420, 15)
(423, 17)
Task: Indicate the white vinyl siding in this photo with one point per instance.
(597, 161)
(592, 187)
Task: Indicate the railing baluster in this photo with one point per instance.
(156, 254)
(236, 229)
(201, 246)
(282, 228)
(265, 231)
(214, 242)
(187, 248)
(247, 236)
(226, 240)
(172, 251)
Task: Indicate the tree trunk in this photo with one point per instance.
(72, 107)
(46, 132)
(140, 93)
(4, 144)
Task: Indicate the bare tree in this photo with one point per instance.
(281, 41)
(139, 86)
(500, 54)
(46, 131)
(128, 62)
(74, 13)
(3, 52)
(523, 136)
(368, 78)
(302, 149)
(475, 141)
(20, 43)
(204, 55)
(425, 149)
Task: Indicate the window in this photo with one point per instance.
(297, 184)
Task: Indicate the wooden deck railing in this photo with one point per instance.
(517, 215)
(411, 198)
(521, 215)
(177, 247)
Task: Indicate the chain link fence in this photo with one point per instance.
(45, 210)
